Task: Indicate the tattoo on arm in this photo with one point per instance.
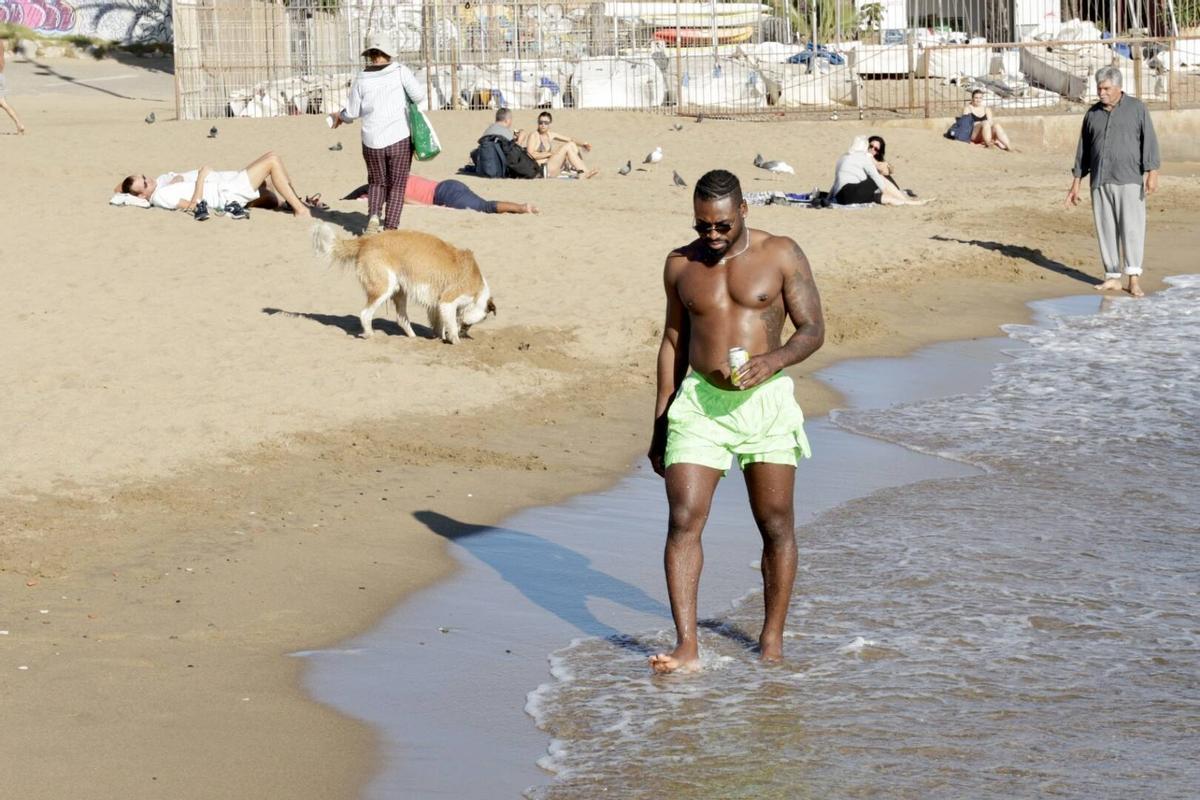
(772, 317)
(803, 305)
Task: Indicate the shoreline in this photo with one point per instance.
(363, 601)
(155, 618)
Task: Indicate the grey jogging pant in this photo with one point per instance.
(1120, 213)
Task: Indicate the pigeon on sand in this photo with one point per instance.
(212, 132)
(678, 180)
(150, 118)
(625, 170)
(778, 167)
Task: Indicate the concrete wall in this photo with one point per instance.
(126, 21)
(1178, 131)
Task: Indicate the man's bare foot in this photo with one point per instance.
(1134, 289)
(770, 650)
(1110, 285)
(530, 208)
(680, 660)
(591, 173)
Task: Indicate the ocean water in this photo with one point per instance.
(1028, 629)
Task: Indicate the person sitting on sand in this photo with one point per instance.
(877, 147)
(247, 187)
(858, 180)
(554, 152)
(986, 130)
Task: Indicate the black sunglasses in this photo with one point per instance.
(720, 227)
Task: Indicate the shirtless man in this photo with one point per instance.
(732, 286)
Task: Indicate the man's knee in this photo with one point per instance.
(776, 524)
(686, 522)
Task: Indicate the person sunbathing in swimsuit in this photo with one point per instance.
(555, 152)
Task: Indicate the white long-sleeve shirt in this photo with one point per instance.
(855, 168)
(378, 97)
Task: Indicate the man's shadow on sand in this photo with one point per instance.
(352, 325)
(553, 577)
(1032, 255)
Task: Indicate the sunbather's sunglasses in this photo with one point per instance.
(720, 227)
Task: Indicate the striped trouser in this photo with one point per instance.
(387, 175)
(1119, 210)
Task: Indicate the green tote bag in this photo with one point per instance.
(425, 142)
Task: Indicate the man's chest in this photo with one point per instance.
(720, 288)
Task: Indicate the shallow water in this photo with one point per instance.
(450, 706)
(1031, 628)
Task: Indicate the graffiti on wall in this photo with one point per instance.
(44, 17)
(127, 21)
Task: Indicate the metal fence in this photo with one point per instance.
(265, 58)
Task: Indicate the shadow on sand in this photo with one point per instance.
(351, 324)
(1032, 255)
(553, 577)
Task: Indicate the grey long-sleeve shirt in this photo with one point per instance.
(1116, 146)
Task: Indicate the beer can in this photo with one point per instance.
(737, 359)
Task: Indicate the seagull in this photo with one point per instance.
(678, 180)
(212, 132)
(833, 116)
(150, 118)
(625, 170)
(677, 126)
(336, 147)
(654, 156)
(779, 167)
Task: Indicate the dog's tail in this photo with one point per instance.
(340, 252)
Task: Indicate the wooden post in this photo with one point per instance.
(428, 25)
(925, 69)
(1135, 49)
(454, 47)
(678, 63)
(912, 75)
(1171, 45)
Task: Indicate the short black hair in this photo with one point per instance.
(717, 184)
(127, 184)
(546, 115)
(976, 91)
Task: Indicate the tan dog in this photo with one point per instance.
(410, 265)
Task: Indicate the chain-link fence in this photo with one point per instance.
(264, 58)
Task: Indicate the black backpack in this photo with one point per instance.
(520, 163)
(489, 158)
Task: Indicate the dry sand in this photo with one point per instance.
(205, 470)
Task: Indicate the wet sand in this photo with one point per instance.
(204, 470)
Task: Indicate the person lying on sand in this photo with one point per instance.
(186, 191)
(450, 194)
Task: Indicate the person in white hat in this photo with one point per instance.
(379, 97)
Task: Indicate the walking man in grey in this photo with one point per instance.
(1119, 151)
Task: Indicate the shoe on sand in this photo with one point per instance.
(235, 210)
(201, 212)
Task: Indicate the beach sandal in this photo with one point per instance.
(314, 201)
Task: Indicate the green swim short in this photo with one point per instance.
(706, 425)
